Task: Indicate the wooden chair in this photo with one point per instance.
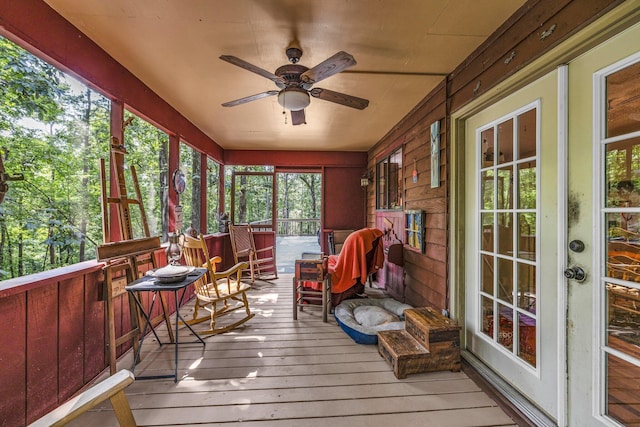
(218, 292)
(262, 262)
(336, 240)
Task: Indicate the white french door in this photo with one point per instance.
(511, 240)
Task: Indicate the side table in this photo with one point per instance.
(151, 284)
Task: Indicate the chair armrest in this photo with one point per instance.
(230, 271)
(268, 248)
(110, 388)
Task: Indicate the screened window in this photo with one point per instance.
(53, 130)
(191, 199)
(389, 187)
(213, 195)
(148, 151)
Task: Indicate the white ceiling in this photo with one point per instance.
(402, 48)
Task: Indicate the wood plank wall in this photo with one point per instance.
(537, 27)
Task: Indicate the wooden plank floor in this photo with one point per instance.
(275, 371)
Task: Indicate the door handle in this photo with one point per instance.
(575, 273)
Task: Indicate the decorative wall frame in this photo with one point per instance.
(435, 154)
(416, 228)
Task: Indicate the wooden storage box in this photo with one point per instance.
(430, 342)
(405, 355)
(432, 329)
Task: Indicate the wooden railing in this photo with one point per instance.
(53, 336)
(298, 227)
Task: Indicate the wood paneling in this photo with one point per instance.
(93, 322)
(42, 355)
(71, 337)
(424, 281)
(13, 357)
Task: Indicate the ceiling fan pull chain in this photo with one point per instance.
(284, 111)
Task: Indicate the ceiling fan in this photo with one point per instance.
(296, 83)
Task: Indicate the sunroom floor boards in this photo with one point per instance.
(275, 371)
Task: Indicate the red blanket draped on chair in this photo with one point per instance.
(350, 266)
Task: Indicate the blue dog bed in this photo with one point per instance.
(361, 319)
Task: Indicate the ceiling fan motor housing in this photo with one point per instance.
(294, 54)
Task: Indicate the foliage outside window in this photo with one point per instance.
(191, 199)
(213, 195)
(148, 151)
(389, 181)
(299, 197)
(53, 130)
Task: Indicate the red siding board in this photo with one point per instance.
(94, 326)
(71, 337)
(42, 361)
(13, 351)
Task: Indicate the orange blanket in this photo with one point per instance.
(351, 264)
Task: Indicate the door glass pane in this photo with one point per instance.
(505, 234)
(622, 390)
(505, 142)
(527, 193)
(505, 326)
(505, 188)
(527, 135)
(623, 173)
(527, 287)
(487, 274)
(527, 338)
(505, 280)
(623, 101)
(527, 236)
(623, 330)
(488, 148)
(487, 232)
(487, 316)
(487, 190)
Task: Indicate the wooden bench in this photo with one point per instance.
(111, 388)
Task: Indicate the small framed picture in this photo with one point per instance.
(415, 231)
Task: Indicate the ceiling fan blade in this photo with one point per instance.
(298, 118)
(339, 98)
(250, 98)
(250, 67)
(328, 68)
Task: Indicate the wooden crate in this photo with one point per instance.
(430, 342)
(405, 355)
(431, 329)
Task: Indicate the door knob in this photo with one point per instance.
(575, 273)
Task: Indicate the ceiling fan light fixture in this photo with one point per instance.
(294, 98)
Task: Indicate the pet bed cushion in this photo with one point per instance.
(361, 319)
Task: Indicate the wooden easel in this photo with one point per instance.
(125, 258)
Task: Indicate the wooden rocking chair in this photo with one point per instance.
(218, 292)
(262, 262)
